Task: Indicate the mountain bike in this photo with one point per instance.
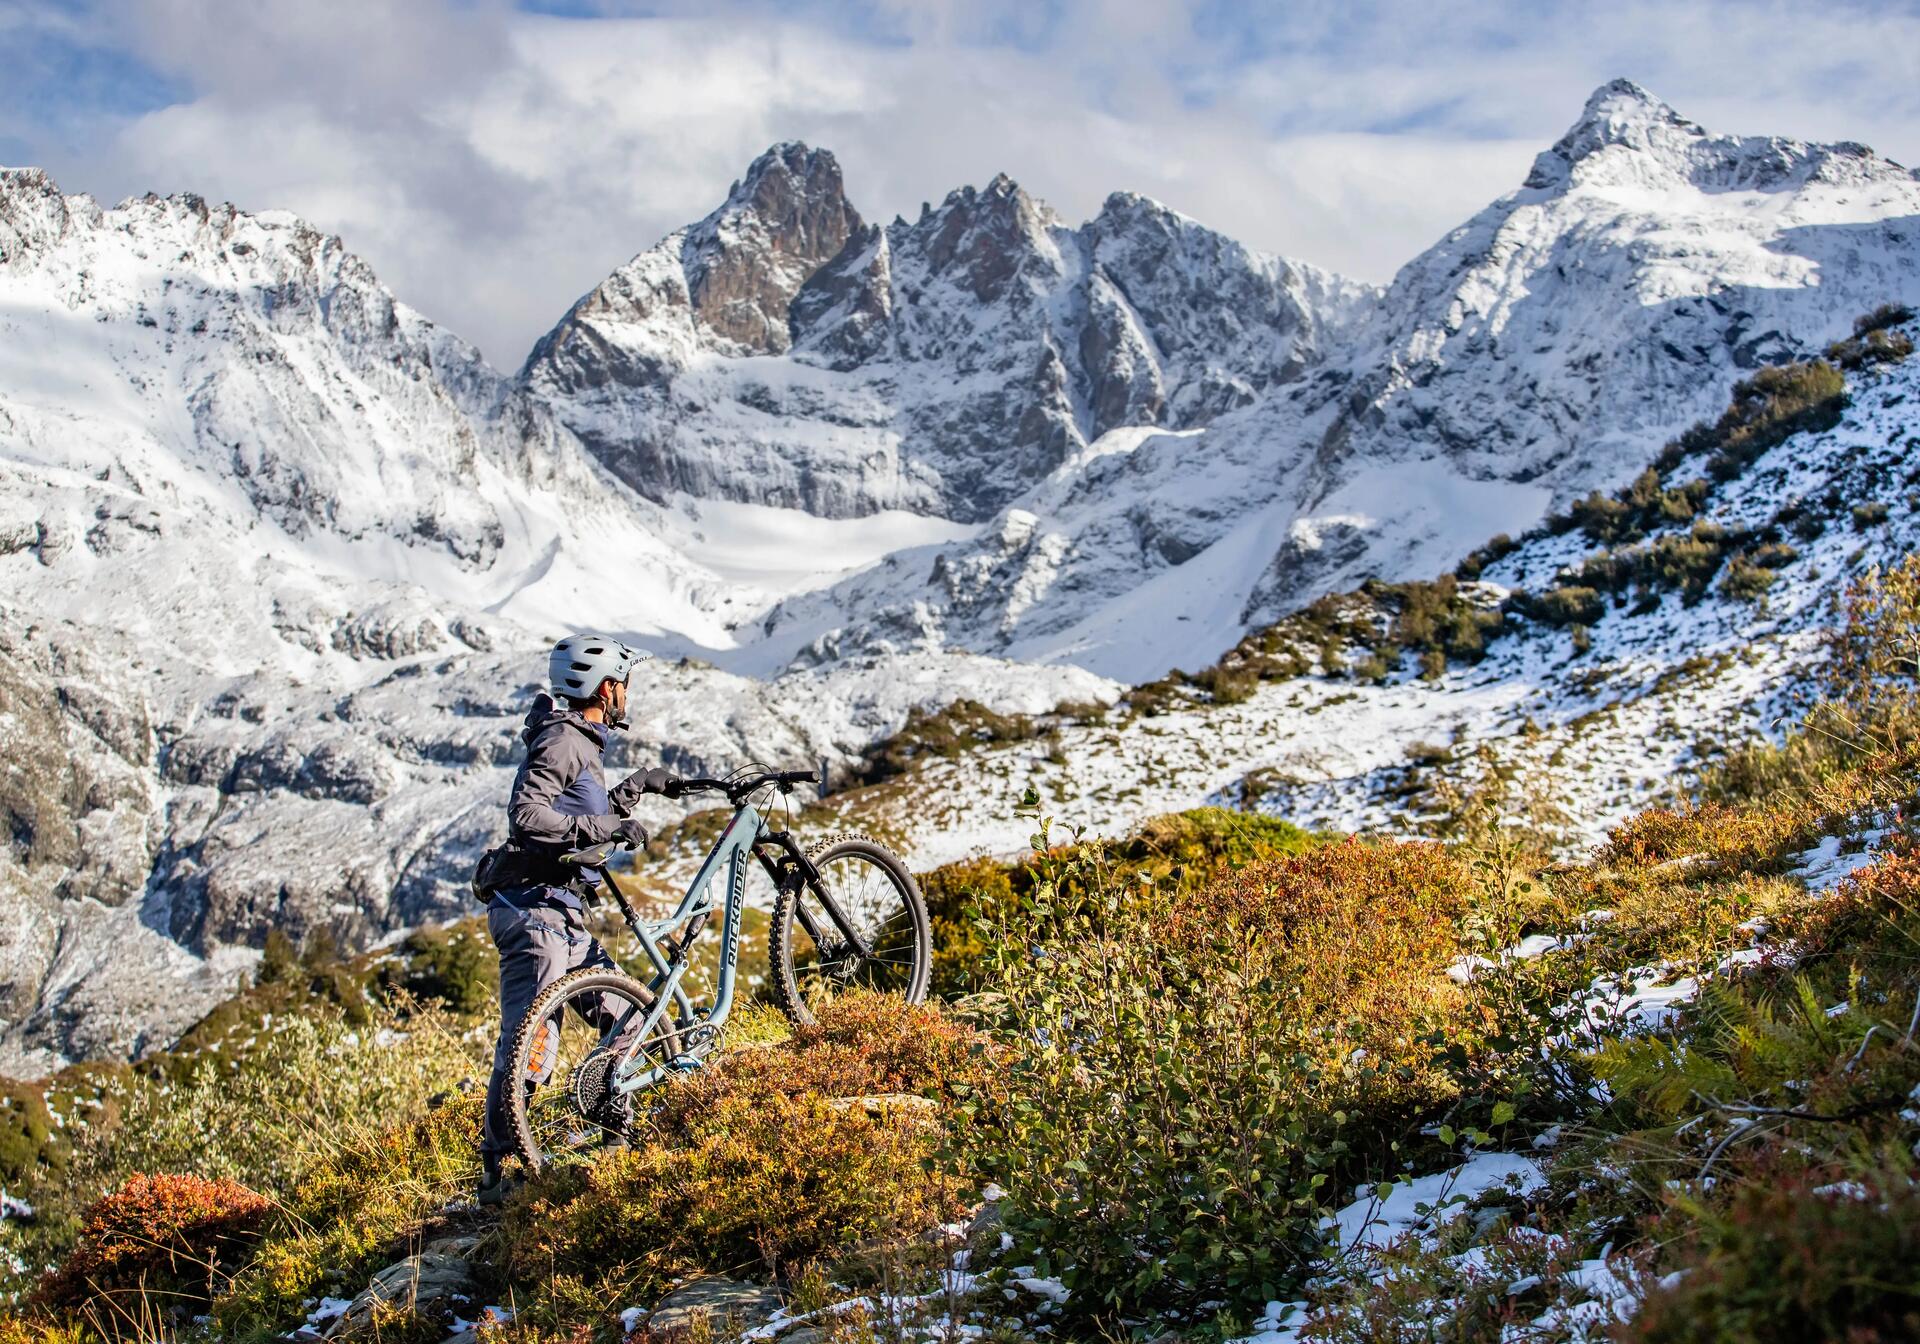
(846, 916)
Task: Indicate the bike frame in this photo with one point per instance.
(746, 839)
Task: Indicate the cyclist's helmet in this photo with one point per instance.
(579, 663)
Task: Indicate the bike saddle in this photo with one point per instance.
(593, 856)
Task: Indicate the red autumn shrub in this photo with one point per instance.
(863, 1045)
(1337, 920)
(166, 1237)
(1746, 837)
(758, 1159)
(1854, 918)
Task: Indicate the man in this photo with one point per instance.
(559, 803)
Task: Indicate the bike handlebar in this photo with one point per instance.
(737, 791)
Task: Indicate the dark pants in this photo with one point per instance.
(537, 946)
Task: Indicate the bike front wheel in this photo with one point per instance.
(864, 891)
(574, 1037)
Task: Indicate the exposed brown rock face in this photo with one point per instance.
(787, 218)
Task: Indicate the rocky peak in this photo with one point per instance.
(841, 313)
(33, 212)
(984, 239)
(1619, 113)
(746, 261)
(1627, 137)
(1125, 209)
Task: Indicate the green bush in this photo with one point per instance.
(1871, 514)
(1494, 551)
(457, 964)
(1873, 347)
(1886, 315)
(1569, 604)
(1644, 505)
(1772, 406)
(1176, 852)
(27, 1134)
(1229, 683)
(1745, 581)
(1190, 1078)
(1873, 340)
(964, 725)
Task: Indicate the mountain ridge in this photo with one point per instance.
(941, 365)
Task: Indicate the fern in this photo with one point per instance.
(1739, 1045)
(1661, 1074)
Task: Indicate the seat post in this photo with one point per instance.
(627, 912)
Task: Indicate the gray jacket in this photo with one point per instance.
(560, 799)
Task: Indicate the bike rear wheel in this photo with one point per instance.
(572, 1039)
(811, 959)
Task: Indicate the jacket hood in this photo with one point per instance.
(547, 711)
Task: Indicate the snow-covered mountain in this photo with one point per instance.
(1677, 669)
(1546, 348)
(781, 351)
(278, 556)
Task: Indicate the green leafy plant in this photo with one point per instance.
(1189, 1077)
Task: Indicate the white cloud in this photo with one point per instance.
(493, 166)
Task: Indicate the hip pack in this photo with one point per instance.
(510, 866)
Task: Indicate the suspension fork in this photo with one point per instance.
(794, 870)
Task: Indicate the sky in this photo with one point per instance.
(493, 161)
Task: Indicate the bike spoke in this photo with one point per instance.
(873, 907)
(572, 1107)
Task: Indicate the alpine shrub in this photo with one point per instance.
(456, 965)
(1774, 404)
(771, 1157)
(1812, 1255)
(351, 1210)
(1745, 581)
(1190, 1075)
(1571, 604)
(1179, 850)
(167, 1240)
(961, 726)
(1753, 838)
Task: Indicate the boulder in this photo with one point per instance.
(717, 1300)
(417, 1284)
